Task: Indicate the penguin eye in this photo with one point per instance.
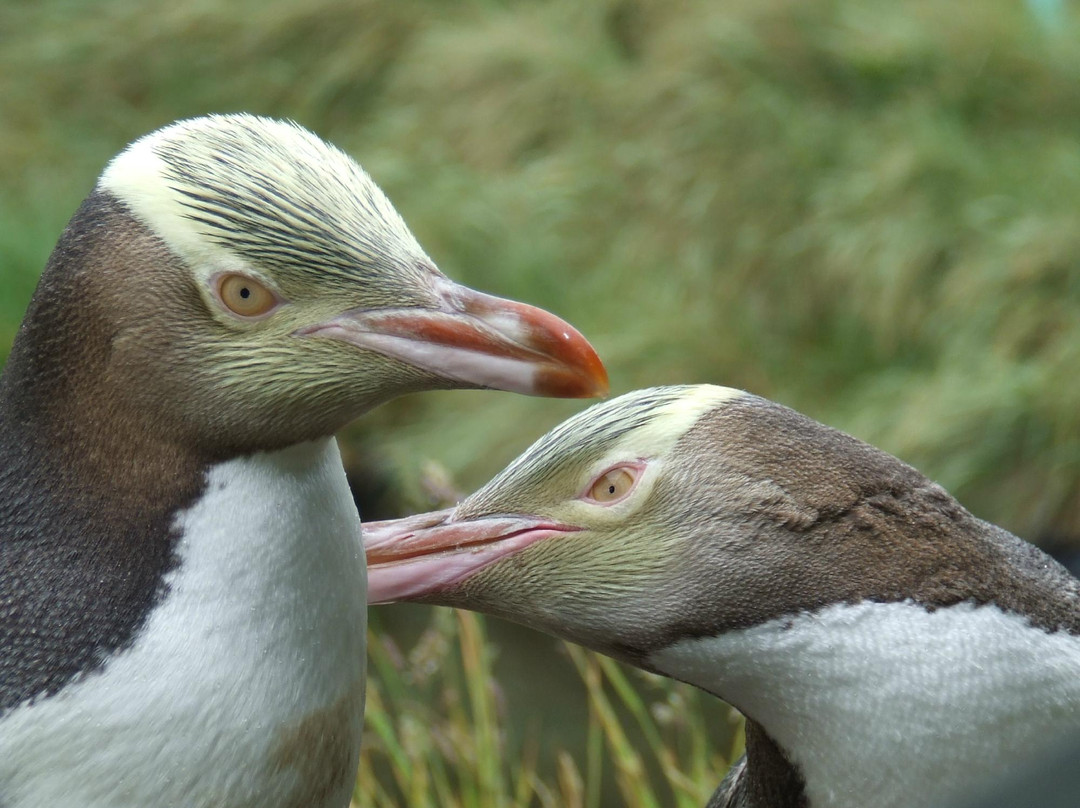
(613, 485)
(245, 296)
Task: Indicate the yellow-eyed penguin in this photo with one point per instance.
(179, 618)
(887, 648)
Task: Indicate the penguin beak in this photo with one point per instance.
(480, 341)
(415, 556)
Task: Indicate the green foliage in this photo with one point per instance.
(435, 732)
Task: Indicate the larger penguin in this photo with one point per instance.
(179, 618)
(887, 648)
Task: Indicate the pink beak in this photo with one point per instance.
(479, 341)
(416, 556)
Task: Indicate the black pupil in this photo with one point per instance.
(611, 489)
(245, 293)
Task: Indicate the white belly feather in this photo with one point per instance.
(245, 685)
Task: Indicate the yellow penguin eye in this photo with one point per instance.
(245, 296)
(613, 485)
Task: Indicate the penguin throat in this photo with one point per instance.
(889, 704)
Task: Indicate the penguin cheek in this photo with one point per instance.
(515, 584)
(377, 376)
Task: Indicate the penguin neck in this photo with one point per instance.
(69, 394)
(86, 534)
(71, 438)
(891, 704)
(90, 482)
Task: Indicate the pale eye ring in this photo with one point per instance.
(613, 485)
(244, 296)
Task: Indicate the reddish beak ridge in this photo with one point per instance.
(480, 341)
(418, 556)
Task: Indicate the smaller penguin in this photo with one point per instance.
(887, 648)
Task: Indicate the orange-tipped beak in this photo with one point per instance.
(479, 340)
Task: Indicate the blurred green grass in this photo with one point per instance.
(436, 731)
(864, 209)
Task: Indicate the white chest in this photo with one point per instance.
(245, 686)
(890, 705)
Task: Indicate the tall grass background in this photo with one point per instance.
(865, 209)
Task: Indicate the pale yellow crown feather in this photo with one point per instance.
(225, 191)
